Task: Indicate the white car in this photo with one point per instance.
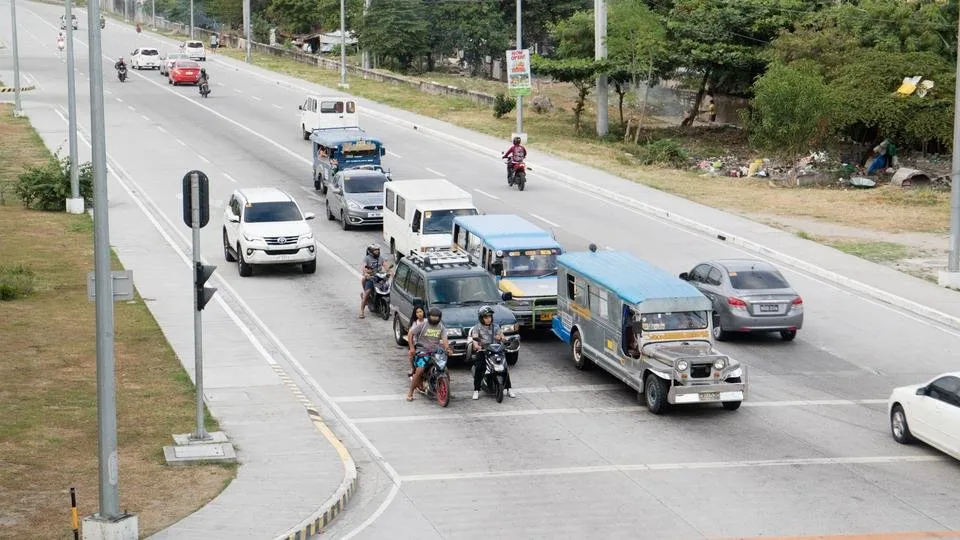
(929, 412)
(194, 50)
(264, 226)
(145, 58)
(168, 61)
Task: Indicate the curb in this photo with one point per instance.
(22, 89)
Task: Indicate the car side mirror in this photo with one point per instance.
(507, 296)
(300, 107)
(309, 215)
(415, 227)
(497, 268)
(684, 276)
(234, 218)
(418, 302)
(922, 391)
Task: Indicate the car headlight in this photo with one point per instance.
(249, 238)
(509, 328)
(720, 363)
(353, 205)
(454, 332)
(682, 365)
(307, 237)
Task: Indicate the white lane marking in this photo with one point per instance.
(220, 84)
(545, 220)
(118, 100)
(255, 98)
(230, 178)
(147, 119)
(745, 464)
(394, 154)
(480, 191)
(131, 107)
(275, 106)
(181, 143)
(237, 90)
(438, 173)
(107, 92)
(160, 128)
(205, 160)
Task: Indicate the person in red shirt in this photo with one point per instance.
(516, 154)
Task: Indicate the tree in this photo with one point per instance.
(396, 29)
(580, 72)
(538, 15)
(296, 16)
(476, 28)
(635, 39)
(574, 36)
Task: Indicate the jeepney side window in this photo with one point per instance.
(338, 108)
(612, 308)
(598, 302)
(351, 107)
(401, 207)
(460, 237)
(389, 202)
(580, 294)
(571, 287)
(474, 245)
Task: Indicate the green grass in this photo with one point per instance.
(870, 250)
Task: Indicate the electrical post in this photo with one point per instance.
(343, 46)
(17, 111)
(246, 29)
(600, 53)
(153, 13)
(191, 19)
(951, 278)
(520, 133)
(366, 52)
(75, 202)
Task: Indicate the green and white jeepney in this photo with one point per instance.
(646, 327)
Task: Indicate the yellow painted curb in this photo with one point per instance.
(22, 89)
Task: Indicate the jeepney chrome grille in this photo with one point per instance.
(699, 371)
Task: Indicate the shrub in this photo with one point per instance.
(503, 105)
(47, 187)
(663, 152)
(15, 282)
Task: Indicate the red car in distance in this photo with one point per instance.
(184, 71)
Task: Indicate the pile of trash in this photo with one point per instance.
(730, 166)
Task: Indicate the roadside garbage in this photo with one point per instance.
(862, 182)
(907, 177)
(914, 84)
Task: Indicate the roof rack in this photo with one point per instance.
(443, 258)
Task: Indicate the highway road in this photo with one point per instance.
(575, 454)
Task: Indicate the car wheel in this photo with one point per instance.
(719, 333)
(227, 254)
(344, 224)
(323, 187)
(731, 405)
(309, 267)
(655, 393)
(306, 134)
(246, 270)
(898, 426)
(788, 335)
(398, 334)
(580, 361)
(330, 215)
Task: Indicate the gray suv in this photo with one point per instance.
(356, 198)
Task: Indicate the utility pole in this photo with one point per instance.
(951, 278)
(17, 111)
(343, 46)
(600, 53)
(75, 202)
(520, 98)
(246, 29)
(191, 19)
(153, 13)
(366, 53)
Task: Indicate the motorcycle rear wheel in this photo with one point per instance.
(443, 390)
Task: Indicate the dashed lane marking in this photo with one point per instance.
(545, 220)
(480, 191)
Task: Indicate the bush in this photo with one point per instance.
(47, 186)
(15, 282)
(663, 152)
(503, 105)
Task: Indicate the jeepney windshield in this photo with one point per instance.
(682, 320)
(530, 263)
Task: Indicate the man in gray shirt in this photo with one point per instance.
(372, 263)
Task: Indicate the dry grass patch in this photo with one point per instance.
(48, 429)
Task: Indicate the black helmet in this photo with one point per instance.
(203, 70)
(485, 311)
(371, 248)
(516, 140)
(435, 312)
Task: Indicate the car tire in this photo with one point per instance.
(245, 269)
(513, 358)
(655, 394)
(344, 224)
(719, 333)
(330, 215)
(731, 405)
(306, 134)
(580, 361)
(323, 187)
(398, 334)
(899, 427)
(788, 335)
(309, 267)
(227, 254)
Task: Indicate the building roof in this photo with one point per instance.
(508, 231)
(632, 279)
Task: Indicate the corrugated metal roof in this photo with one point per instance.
(633, 279)
(508, 231)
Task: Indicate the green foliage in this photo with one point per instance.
(635, 36)
(47, 187)
(477, 28)
(397, 30)
(579, 72)
(663, 152)
(503, 105)
(16, 282)
(574, 36)
(793, 110)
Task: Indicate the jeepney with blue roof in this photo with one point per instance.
(523, 258)
(340, 148)
(646, 327)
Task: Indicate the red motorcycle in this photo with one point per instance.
(517, 174)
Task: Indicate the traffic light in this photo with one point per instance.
(202, 273)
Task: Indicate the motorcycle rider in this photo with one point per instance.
(103, 21)
(430, 335)
(487, 333)
(120, 64)
(60, 42)
(517, 153)
(204, 79)
(372, 263)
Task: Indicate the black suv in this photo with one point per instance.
(459, 289)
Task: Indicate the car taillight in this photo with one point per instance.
(736, 303)
(797, 304)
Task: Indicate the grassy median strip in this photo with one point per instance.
(48, 427)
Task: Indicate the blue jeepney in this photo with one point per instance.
(336, 149)
(523, 258)
(646, 327)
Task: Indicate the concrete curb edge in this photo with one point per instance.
(10, 89)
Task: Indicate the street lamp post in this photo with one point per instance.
(17, 111)
(75, 202)
(343, 46)
(246, 29)
(519, 98)
(951, 278)
(600, 53)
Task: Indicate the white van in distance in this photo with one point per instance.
(418, 214)
(319, 112)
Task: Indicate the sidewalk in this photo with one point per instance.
(294, 476)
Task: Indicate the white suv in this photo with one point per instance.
(145, 57)
(195, 51)
(265, 226)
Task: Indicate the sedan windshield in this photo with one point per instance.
(464, 290)
(441, 221)
(757, 279)
(364, 184)
(531, 262)
(267, 212)
(684, 320)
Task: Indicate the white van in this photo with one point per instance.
(319, 112)
(418, 214)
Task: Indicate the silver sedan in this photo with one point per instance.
(748, 296)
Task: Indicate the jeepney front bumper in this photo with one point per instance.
(534, 312)
(735, 390)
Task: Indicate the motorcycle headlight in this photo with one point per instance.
(682, 365)
(720, 363)
(454, 332)
(498, 367)
(353, 205)
(509, 328)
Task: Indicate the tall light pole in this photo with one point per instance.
(600, 53)
(519, 47)
(191, 19)
(951, 278)
(17, 111)
(75, 202)
(153, 13)
(366, 53)
(343, 46)
(246, 29)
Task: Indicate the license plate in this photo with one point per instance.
(709, 396)
(548, 316)
(769, 308)
(375, 214)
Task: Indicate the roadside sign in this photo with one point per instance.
(188, 199)
(122, 285)
(518, 72)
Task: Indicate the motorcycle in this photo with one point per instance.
(204, 89)
(496, 368)
(380, 302)
(122, 73)
(436, 377)
(517, 174)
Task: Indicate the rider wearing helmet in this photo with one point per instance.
(517, 153)
(483, 334)
(120, 63)
(428, 336)
(204, 78)
(372, 263)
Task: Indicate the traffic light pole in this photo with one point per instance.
(201, 433)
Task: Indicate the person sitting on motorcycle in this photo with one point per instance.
(372, 263)
(103, 21)
(418, 317)
(120, 64)
(430, 336)
(204, 78)
(486, 332)
(517, 153)
(138, 28)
